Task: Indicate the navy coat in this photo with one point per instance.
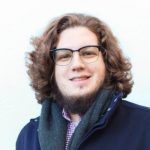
(126, 126)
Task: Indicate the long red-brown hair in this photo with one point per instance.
(41, 67)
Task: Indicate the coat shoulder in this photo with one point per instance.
(136, 108)
(28, 137)
(135, 112)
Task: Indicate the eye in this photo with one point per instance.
(63, 55)
(89, 52)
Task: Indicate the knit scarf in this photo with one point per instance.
(53, 127)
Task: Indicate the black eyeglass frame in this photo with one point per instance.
(52, 51)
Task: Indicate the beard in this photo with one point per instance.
(75, 104)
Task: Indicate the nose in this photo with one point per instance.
(77, 63)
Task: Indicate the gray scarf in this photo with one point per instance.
(53, 127)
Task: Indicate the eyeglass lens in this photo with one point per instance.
(87, 54)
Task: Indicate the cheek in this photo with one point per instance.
(60, 74)
(56, 75)
(100, 70)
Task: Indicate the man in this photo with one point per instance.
(80, 76)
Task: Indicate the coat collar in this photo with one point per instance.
(103, 121)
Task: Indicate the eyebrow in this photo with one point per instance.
(54, 49)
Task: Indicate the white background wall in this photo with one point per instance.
(20, 20)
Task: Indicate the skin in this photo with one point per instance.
(79, 78)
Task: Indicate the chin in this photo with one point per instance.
(77, 100)
(80, 93)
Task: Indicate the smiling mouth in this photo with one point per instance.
(82, 78)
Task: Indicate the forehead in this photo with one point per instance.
(76, 37)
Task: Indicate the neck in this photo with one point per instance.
(75, 117)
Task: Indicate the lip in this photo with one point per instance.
(80, 78)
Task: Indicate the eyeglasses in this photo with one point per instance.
(88, 54)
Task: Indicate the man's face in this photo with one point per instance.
(79, 79)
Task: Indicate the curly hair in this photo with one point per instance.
(41, 66)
